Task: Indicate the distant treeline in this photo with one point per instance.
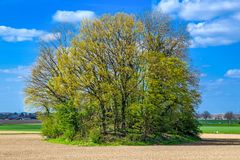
(17, 116)
(223, 116)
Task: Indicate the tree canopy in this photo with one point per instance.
(121, 76)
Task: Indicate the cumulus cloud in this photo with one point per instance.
(199, 9)
(11, 34)
(215, 32)
(207, 9)
(72, 16)
(212, 22)
(233, 73)
(169, 6)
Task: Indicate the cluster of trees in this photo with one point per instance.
(121, 76)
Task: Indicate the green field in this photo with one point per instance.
(20, 127)
(221, 129)
(220, 126)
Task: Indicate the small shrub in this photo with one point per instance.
(95, 136)
(50, 128)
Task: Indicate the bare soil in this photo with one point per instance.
(32, 147)
(220, 136)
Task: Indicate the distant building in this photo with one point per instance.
(217, 117)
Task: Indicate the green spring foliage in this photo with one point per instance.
(121, 77)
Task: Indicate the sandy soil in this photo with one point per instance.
(32, 147)
(220, 136)
(19, 132)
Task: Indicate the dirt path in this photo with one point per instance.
(31, 147)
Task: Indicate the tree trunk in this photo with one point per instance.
(104, 125)
(124, 115)
(116, 116)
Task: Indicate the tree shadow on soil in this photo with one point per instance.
(212, 141)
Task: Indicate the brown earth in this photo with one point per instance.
(32, 147)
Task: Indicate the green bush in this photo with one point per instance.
(49, 127)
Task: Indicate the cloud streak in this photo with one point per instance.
(19, 70)
(10, 34)
(17, 74)
(72, 16)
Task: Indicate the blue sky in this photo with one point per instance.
(214, 26)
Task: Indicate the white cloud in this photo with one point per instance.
(215, 32)
(199, 9)
(207, 9)
(50, 37)
(233, 73)
(213, 22)
(72, 16)
(168, 6)
(11, 34)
